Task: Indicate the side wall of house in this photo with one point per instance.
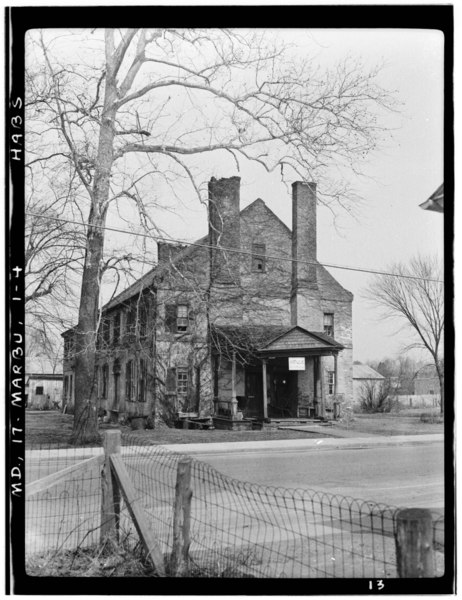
(182, 361)
(266, 293)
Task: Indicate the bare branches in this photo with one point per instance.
(418, 302)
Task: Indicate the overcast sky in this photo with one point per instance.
(388, 225)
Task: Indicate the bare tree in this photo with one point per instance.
(172, 98)
(416, 296)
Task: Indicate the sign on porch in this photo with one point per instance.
(296, 363)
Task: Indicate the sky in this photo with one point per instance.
(388, 225)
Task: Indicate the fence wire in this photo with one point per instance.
(237, 529)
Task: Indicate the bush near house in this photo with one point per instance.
(377, 397)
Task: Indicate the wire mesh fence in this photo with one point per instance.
(67, 514)
(236, 529)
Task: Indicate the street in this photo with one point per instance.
(411, 476)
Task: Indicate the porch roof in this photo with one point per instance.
(297, 340)
(258, 341)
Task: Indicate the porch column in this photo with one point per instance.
(321, 382)
(233, 387)
(335, 403)
(335, 377)
(265, 391)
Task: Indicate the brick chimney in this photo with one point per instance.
(224, 229)
(304, 297)
(225, 232)
(167, 252)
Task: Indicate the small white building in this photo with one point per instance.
(363, 375)
(44, 390)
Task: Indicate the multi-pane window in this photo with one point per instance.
(329, 324)
(258, 258)
(182, 381)
(177, 318)
(130, 381)
(330, 382)
(182, 320)
(39, 390)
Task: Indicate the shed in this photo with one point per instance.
(363, 374)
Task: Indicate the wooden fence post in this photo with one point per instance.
(179, 561)
(414, 543)
(110, 493)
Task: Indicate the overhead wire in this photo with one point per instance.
(235, 250)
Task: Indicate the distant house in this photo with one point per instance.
(43, 390)
(427, 382)
(436, 201)
(363, 375)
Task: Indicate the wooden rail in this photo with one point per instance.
(40, 485)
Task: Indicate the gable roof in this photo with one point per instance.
(298, 339)
(327, 284)
(361, 371)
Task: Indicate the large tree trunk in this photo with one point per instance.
(85, 427)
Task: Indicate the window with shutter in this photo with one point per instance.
(105, 380)
(142, 382)
(130, 381)
(170, 383)
(170, 317)
(116, 328)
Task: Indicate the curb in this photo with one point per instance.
(311, 445)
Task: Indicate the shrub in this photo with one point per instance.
(377, 397)
(431, 418)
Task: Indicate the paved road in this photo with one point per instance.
(410, 476)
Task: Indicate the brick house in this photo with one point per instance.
(245, 322)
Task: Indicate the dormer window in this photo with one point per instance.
(258, 258)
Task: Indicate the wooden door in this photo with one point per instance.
(254, 393)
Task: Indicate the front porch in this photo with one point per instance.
(284, 379)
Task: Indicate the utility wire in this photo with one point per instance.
(234, 250)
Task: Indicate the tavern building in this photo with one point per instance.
(243, 324)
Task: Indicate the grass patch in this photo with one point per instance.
(107, 560)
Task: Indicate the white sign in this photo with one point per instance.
(296, 363)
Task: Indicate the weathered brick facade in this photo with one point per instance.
(158, 354)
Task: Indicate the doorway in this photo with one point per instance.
(253, 393)
(283, 392)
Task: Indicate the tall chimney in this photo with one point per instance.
(225, 232)
(224, 229)
(304, 246)
(304, 305)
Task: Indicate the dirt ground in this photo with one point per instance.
(52, 427)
